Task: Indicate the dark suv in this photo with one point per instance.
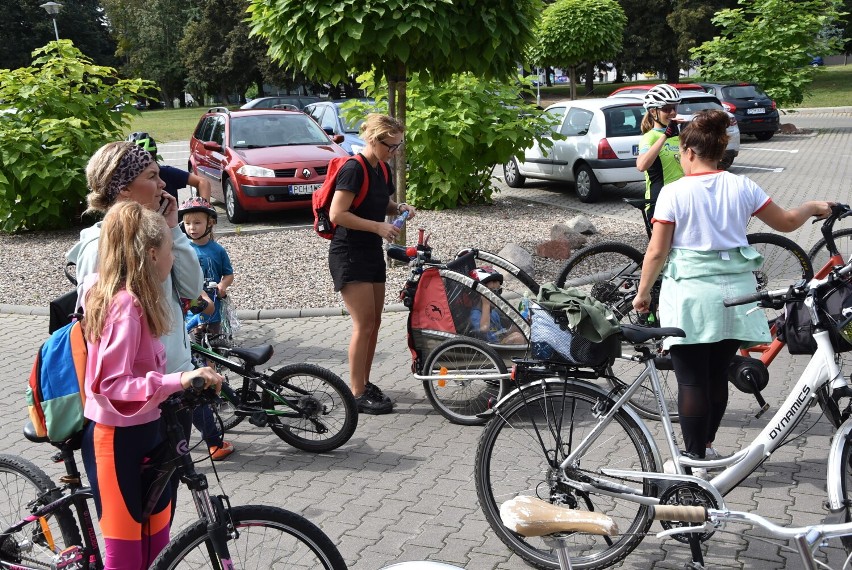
(755, 112)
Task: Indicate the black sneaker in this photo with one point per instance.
(376, 392)
(369, 404)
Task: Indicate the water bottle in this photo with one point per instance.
(400, 219)
(524, 306)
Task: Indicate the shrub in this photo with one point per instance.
(53, 116)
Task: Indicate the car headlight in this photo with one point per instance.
(256, 171)
(356, 148)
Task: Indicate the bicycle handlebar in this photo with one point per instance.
(759, 297)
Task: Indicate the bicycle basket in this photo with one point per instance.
(555, 342)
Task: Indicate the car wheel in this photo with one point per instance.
(588, 187)
(512, 174)
(235, 212)
(764, 136)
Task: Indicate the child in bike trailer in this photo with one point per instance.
(198, 217)
(492, 328)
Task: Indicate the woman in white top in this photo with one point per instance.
(700, 230)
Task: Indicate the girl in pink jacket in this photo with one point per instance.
(125, 313)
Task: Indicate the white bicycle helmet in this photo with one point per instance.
(486, 274)
(660, 96)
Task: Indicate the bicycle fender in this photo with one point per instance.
(834, 476)
(557, 383)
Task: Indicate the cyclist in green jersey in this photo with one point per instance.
(659, 155)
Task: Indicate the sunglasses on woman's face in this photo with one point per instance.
(669, 108)
(391, 147)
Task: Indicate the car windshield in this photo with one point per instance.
(744, 92)
(285, 129)
(692, 106)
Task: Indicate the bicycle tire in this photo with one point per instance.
(846, 479)
(461, 400)
(269, 537)
(784, 263)
(327, 398)
(510, 461)
(607, 271)
(21, 482)
(818, 255)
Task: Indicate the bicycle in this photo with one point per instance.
(307, 406)
(38, 529)
(570, 442)
(806, 538)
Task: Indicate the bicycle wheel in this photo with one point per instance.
(312, 408)
(644, 401)
(23, 487)
(269, 538)
(846, 478)
(607, 271)
(459, 400)
(519, 452)
(784, 263)
(819, 254)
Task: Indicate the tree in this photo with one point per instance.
(692, 23)
(25, 26)
(574, 32)
(649, 42)
(767, 42)
(62, 111)
(329, 39)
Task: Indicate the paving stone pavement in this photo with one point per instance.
(402, 488)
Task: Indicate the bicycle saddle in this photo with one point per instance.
(636, 334)
(530, 516)
(253, 356)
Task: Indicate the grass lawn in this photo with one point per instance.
(831, 88)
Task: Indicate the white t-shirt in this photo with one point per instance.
(710, 211)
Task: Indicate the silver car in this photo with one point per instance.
(693, 101)
(600, 147)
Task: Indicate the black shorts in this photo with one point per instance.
(351, 265)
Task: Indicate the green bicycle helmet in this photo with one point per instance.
(144, 140)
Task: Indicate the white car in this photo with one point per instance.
(601, 144)
(690, 103)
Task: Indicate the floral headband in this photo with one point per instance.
(134, 161)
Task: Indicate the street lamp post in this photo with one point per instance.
(53, 9)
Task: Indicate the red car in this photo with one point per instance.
(261, 160)
(632, 89)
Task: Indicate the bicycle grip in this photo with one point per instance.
(745, 299)
(679, 513)
(197, 383)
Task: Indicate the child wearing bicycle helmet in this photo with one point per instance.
(198, 218)
(175, 178)
(492, 329)
(658, 148)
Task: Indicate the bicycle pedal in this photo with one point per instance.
(258, 419)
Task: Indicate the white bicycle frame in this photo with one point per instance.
(822, 369)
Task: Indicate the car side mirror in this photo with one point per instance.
(213, 145)
(338, 139)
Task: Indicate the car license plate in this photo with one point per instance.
(756, 111)
(304, 188)
(636, 150)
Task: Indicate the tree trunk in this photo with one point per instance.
(572, 71)
(590, 78)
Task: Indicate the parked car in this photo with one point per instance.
(261, 159)
(601, 144)
(291, 102)
(328, 117)
(693, 101)
(642, 89)
(755, 111)
(816, 60)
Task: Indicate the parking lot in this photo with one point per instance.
(402, 488)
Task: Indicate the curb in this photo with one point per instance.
(243, 315)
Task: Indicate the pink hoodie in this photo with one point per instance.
(124, 372)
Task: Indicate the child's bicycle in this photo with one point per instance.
(39, 531)
(308, 406)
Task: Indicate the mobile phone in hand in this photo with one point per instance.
(163, 203)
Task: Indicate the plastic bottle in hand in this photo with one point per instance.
(400, 219)
(524, 306)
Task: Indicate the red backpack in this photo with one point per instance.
(321, 198)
